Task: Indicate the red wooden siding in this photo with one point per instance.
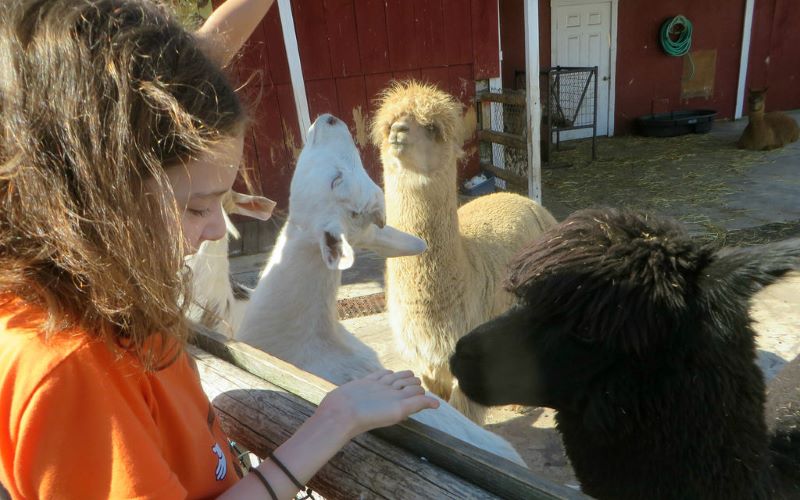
(512, 38)
(350, 51)
(648, 80)
(775, 53)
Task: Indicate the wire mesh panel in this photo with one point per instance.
(569, 102)
(366, 305)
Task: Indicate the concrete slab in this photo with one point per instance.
(703, 180)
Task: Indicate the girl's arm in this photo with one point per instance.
(381, 399)
(230, 25)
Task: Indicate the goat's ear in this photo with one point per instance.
(336, 251)
(744, 271)
(390, 242)
(257, 207)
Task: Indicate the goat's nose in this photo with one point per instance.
(378, 217)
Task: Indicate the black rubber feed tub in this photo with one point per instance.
(697, 121)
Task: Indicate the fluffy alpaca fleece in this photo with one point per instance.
(218, 302)
(435, 298)
(333, 207)
(641, 339)
(767, 130)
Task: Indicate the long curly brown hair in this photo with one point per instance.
(97, 96)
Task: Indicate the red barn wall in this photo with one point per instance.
(350, 50)
(512, 38)
(649, 80)
(775, 53)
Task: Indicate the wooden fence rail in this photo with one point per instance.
(261, 400)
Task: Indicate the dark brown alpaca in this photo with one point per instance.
(767, 130)
(641, 338)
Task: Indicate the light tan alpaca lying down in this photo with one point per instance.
(767, 130)
(435, 298)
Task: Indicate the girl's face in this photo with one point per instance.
(199, 186)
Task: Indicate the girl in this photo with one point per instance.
(119, 134)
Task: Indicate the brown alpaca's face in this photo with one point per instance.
(756, 100)
(526, 357)
(418, 147)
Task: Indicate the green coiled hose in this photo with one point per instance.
(683, 43)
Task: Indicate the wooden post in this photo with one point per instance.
(295, 68)
(534, 108)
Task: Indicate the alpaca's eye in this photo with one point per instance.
(583, 334)
(353, 214)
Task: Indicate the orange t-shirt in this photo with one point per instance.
(78, 421)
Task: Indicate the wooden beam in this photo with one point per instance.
(513, 98)
(510, 177)
(482, 469)
(260, 416)
(504, 138)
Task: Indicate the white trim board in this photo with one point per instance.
(295, 68)
(744, 57)
(612, 51)
(534, 107)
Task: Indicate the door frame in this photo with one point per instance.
(612, 52)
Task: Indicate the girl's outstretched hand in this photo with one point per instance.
(377, 400)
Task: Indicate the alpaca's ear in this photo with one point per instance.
(336, 251)
(390, 242)
(741, 272)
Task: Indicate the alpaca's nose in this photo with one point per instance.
(399, 126)
(466, 350)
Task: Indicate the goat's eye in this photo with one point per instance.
(353, 214)
(337, 180)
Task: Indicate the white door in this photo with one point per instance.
(581, 36)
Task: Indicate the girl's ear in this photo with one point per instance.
(336, 251)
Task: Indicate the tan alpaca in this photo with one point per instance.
(767, 130)
(435, 298)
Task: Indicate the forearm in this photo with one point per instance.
(314, 443)
(230, 25)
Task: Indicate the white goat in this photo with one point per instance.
(218, 302)
(333, 207)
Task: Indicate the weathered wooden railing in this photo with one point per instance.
(262, 400)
